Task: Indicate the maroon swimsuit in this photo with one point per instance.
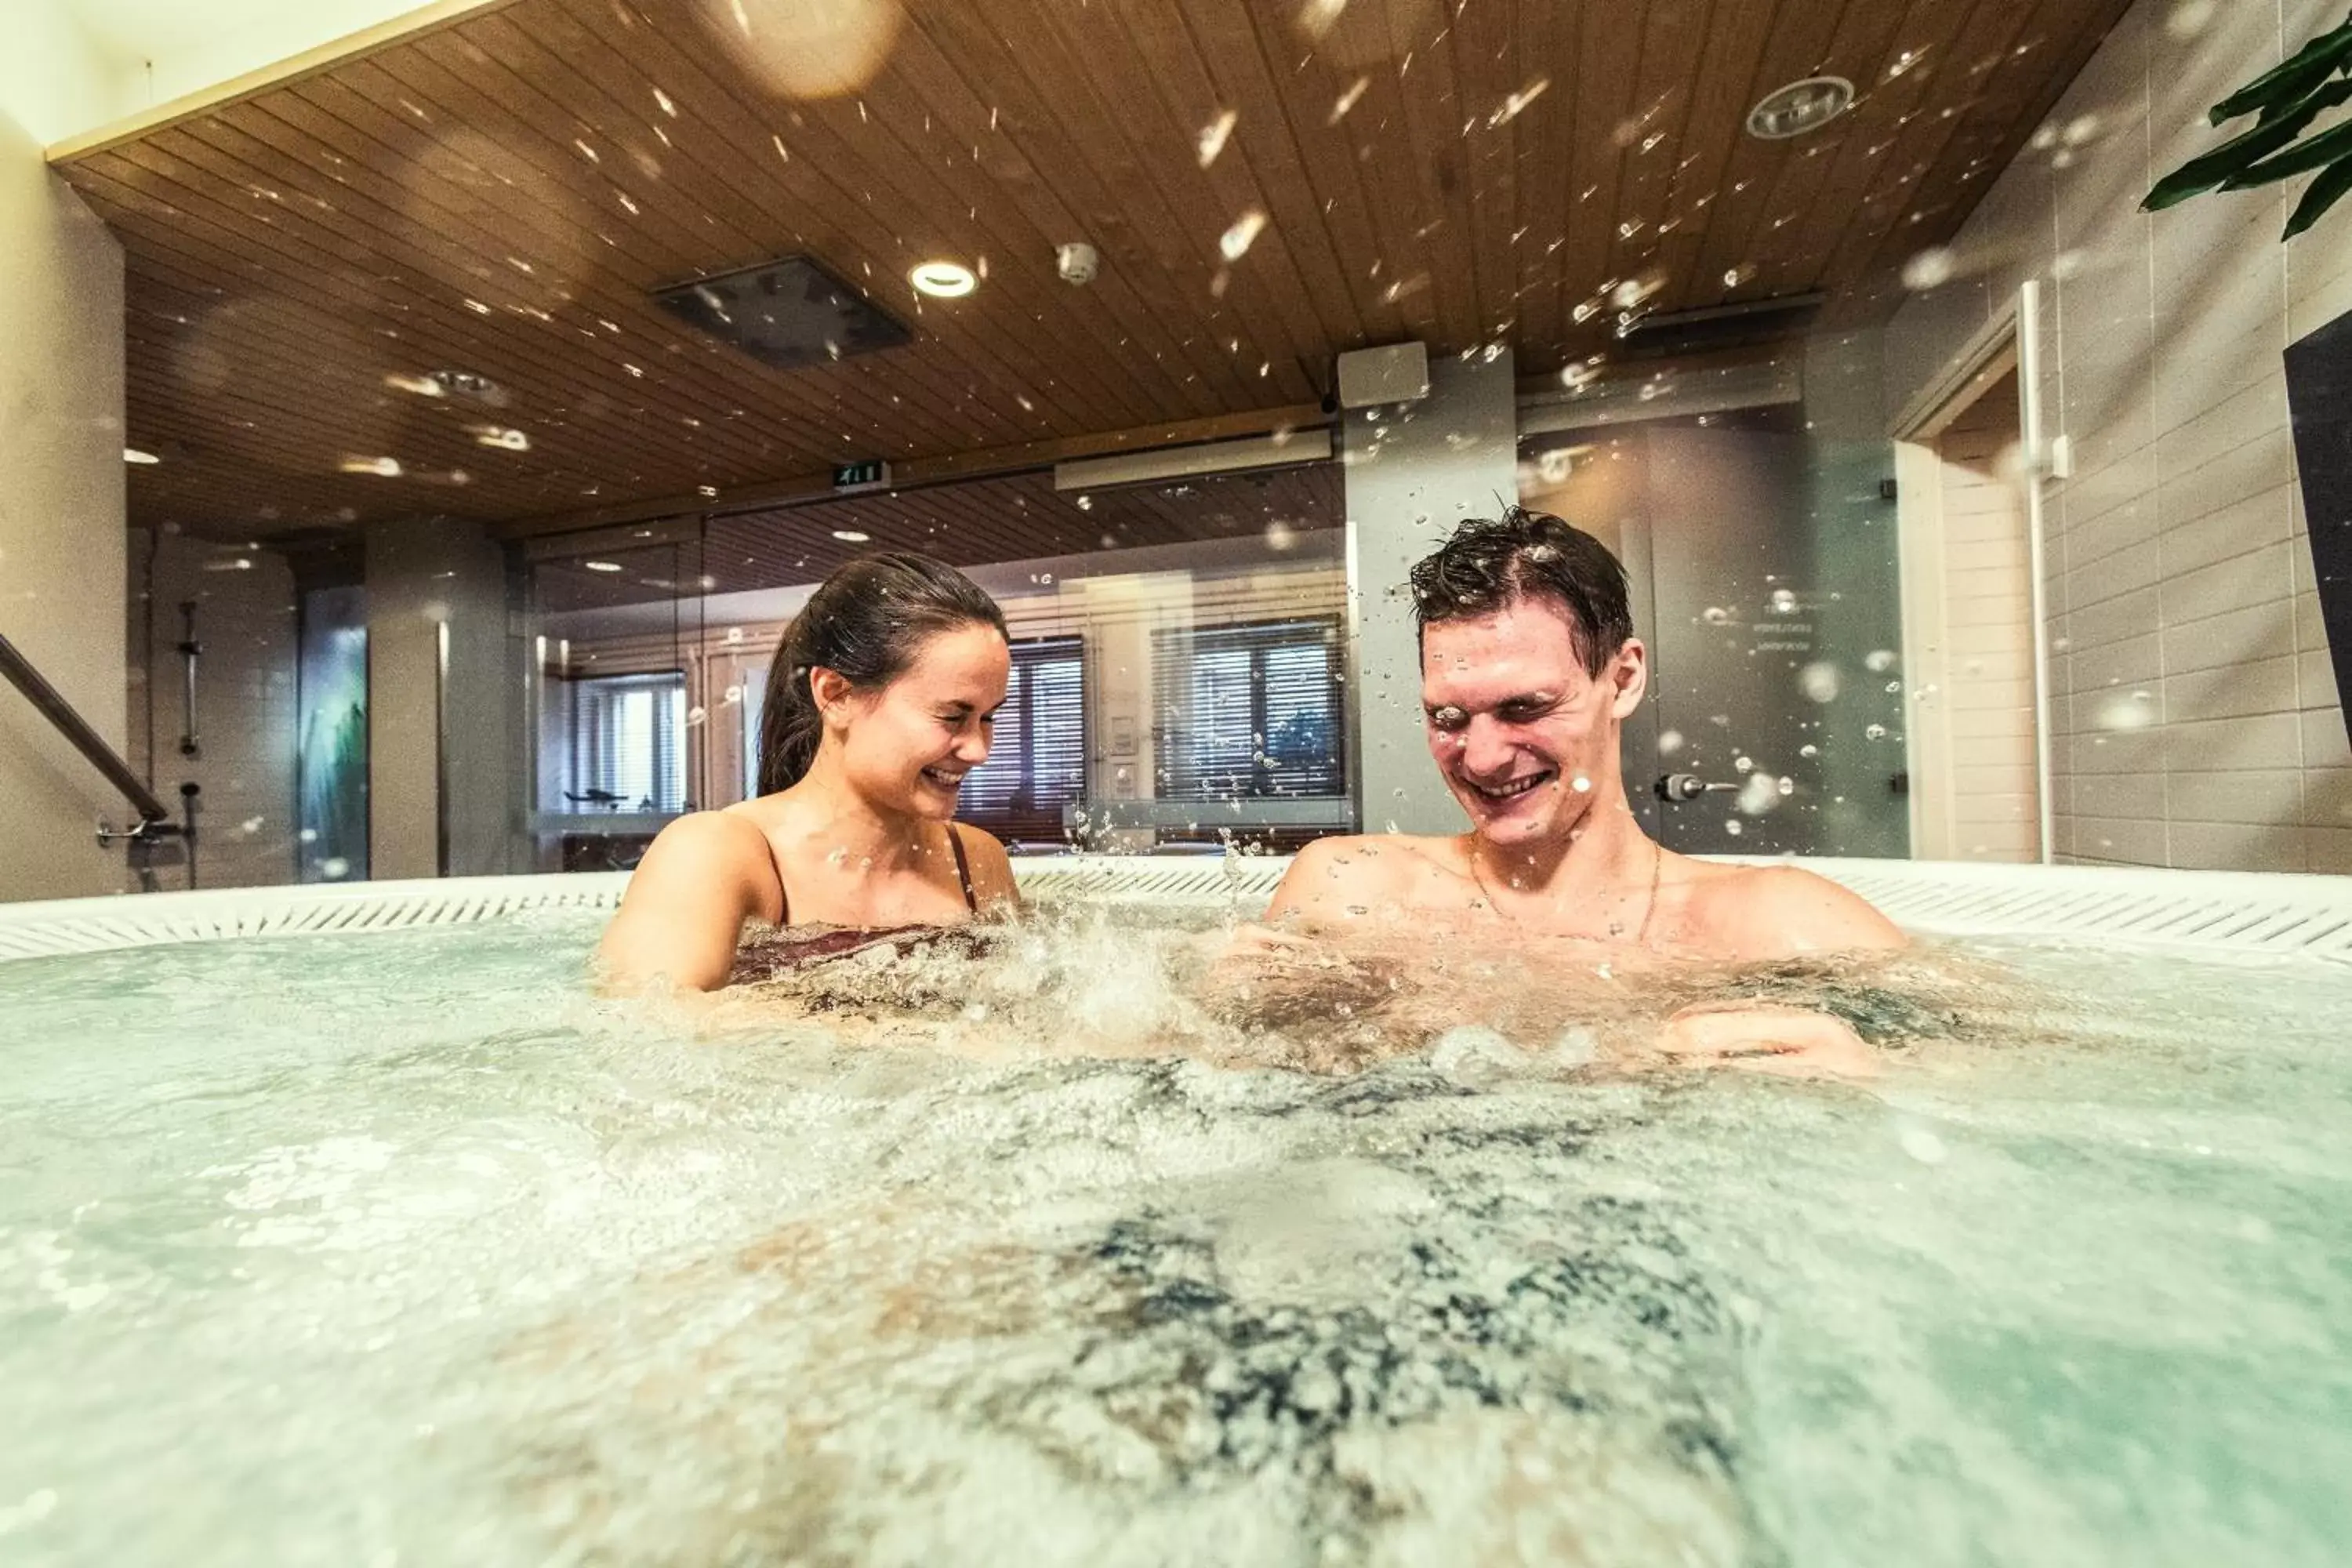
(766, 960)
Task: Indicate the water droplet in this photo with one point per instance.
(1930, 268)
(1715, 616)
(1510, 107)
(1347, 101)
(1879, 660)
(1214, 134)
(1784, 603)
(1922, 1144)
(1809, 751)
(1818, 681)
(1669, 742)
(1875, 732)
(1235, 242)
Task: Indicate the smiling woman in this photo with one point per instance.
(883, 697)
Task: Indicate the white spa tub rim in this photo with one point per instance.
(2210, 911)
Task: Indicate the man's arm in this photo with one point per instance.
(686, 906)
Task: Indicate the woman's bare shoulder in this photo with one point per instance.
(706, 848)
(992, 867)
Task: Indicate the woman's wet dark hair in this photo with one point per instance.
(865, 623)
(1490, 563)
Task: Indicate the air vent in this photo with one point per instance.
(788, 313)
(1722, 326)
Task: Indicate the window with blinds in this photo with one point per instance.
(629, 750)
(1250, 712)
(1038, 763)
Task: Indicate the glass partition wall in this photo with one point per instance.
(1180, 646)
(1178, 650)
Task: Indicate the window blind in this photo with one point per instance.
(627, 750)
(1250, 712)
(1038, 763)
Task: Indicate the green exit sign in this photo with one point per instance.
(872, 474)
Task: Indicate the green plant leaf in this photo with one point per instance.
(2316, 153)
(2208, 170)
(2325, 193)
(2290, 77)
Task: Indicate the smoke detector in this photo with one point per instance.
(1077, 262)
(1800, 107)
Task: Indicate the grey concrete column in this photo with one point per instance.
(443, 747)
(1413, 471)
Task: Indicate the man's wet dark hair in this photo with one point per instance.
(866, 623)
(1490, 563)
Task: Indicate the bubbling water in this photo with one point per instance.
(1035, 1245)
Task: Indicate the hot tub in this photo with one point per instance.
(343, 1225)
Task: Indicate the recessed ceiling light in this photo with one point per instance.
(851, 536)
(601, 565)
(134, 455)
(1800, 107)
(943, 280)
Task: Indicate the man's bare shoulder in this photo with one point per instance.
(1781, 911)
(1334, 876)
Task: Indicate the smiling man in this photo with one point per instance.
(1528, 669)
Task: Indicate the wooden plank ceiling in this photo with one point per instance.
(1269, 183)
(1017, 517)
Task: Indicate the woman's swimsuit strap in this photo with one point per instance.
(964, 870)
(963, 881)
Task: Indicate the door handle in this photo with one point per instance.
(1687, 787)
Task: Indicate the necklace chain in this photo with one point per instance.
(1649, 908)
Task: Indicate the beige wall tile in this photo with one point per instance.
(2261, 462)
(2131, 842)
(2261, 631)
(2237, 847)
(2310, 624)
(2134, 661)
(2328, 797)
(2263, 741)
(2263, 518)
(2272, 795)
(2232, 690)
(2112, 620)
(2120, 795)
(2315, 681)
(2329, 849)
(2261, 576)
(2325, 744)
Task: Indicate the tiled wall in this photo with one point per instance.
(60, 507)
(1988, 679)
(2198, 723)
(244, 701)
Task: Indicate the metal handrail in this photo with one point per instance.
(59, 712)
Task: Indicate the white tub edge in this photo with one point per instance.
(2201, 911)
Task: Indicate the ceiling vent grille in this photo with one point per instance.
(791, 313)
